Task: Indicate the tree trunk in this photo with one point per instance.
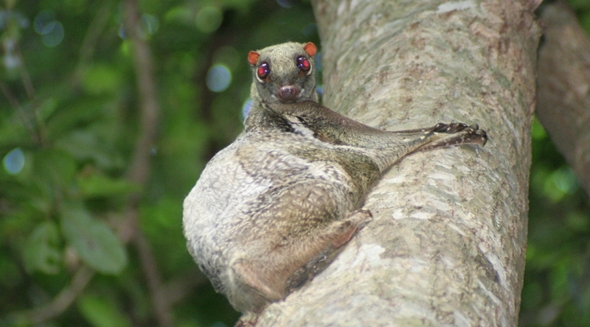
(447, 243)
(564, 88)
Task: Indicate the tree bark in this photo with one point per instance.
(446, 246)
(564, 88)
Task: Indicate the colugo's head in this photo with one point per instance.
(284, 72)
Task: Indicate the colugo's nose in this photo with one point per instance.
(288, 92)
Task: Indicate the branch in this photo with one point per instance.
(139, 169)
(59, 303)
(149, 108)
(15, 104)
(563, 88)
(31, 120)
(97, 26)
(39, 136)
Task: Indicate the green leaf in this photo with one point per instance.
(97, 185)
(100, 312)
(41, 251)
(46, 108)
(56, 167)
(96, 244)
(102, 78)
(162, 232)
(76, 114)
(179, 14)
(10, 274)
(86, 145)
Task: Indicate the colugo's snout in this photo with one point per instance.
(288, 92)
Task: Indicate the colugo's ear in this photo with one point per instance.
(310, 49)
(253, 57)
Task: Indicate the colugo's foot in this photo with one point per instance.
(459, 134)
(247, 320)
(450, 128)
(469, 134)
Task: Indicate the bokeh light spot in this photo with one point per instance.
(150, 23)
(218, 78)
(14, 161)
(54, 35)
(42, 20)
(52, 31)
(246, 108)
(285, 3)
(11, 59)
(565, 180)
(12, 16)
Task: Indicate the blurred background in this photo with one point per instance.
(104, 130)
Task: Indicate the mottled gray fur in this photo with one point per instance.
(273, 208)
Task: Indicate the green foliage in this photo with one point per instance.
(100, 312)
(101, 79)
(94, 241)
(70, 113)
(556, 289)
(41, 252)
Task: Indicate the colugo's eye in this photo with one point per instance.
(303, 64)
(263, 70)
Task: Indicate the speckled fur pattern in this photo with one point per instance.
(271, 210)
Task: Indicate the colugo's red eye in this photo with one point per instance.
(303, 64)
(263, 70)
